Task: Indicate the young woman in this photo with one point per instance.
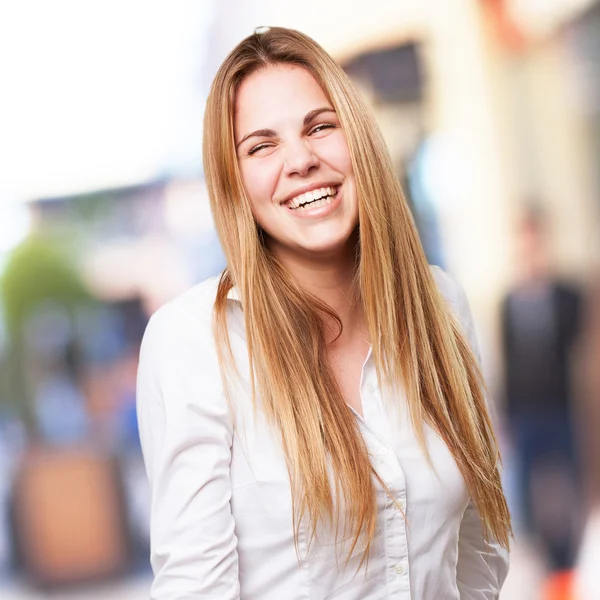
(313, 422)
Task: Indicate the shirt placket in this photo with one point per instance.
(376, 430)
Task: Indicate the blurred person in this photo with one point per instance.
(540, 324)
(314, 422)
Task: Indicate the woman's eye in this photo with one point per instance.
(322, 126)
(257, 148)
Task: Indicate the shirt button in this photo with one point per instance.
(402, 504)
(400, 570)
(382, 451)
(371, 388)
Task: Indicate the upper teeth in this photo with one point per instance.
(310, 196)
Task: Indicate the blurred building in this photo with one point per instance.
(148, 241)
(134, 248)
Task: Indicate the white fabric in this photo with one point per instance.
(221, 520)
(587, 574)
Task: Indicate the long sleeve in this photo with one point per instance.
(482, 565)
(186, 435)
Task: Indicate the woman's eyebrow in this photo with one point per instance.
(257, 133)
(313, 114)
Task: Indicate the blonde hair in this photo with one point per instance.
(416, 342)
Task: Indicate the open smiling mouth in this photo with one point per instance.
(313, 199)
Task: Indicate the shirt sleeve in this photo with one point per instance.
(482, 565)
(186, 435)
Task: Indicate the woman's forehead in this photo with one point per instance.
(279, 91)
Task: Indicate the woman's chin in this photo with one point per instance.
(320, 249)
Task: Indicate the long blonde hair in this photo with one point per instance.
(416, 342)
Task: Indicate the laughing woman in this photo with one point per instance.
(313, 422)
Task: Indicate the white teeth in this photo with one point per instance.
(321, 202)
(314, 197)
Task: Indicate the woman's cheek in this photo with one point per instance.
(260, 182)
(334, 150)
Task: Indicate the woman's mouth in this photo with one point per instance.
(313, 199)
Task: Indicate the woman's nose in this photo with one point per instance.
(300, 158)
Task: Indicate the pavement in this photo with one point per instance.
(129, 589)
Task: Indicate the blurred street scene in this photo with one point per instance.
(491, 112)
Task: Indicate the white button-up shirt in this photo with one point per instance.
(221, 517)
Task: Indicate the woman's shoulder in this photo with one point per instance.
(196, 302)
(184, 320)
(458, 303)
(447, 286)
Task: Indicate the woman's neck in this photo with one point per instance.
(333, 282)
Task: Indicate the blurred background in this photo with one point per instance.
(491, 112)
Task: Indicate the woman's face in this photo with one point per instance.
(295, 163)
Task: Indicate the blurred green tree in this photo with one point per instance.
(40, 270)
